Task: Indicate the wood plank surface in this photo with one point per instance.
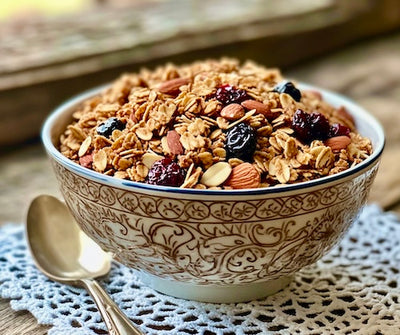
(368, 72)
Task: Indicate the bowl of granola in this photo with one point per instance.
(216, 180)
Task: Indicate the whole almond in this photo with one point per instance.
(338, 143)
(314, 93)
(259, 107)
(343, 114)
(216, 174)
(174, 145)
(232, 112)
(86, 161)
(244, 175)
(172, 86)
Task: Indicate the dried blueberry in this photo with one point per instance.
(309, 127)
(288, 88)
(240, 142)
(165, 172)
(106, 128)
(338, 129)
(227, 94)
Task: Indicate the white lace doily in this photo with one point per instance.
(354, 289)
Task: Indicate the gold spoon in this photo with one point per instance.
(64, 253)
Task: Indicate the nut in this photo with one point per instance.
(149, 158)
(144, 134)
(216, 174)
(100, 160)
(338, 143)
(85, 146)
(344, 115)
(174, 145)
(244, 175)
(171, 87)
(232, 112)
(259, 107)
(86, 161)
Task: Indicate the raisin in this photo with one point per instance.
(240, 142)
(106, 128)
(165, 172)
(288, 88)
(227, 94)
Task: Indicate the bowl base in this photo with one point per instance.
(215, 294)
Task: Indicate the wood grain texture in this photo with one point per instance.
(270, 33)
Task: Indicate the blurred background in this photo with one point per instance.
(51, 50)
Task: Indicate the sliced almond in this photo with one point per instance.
(232, 112)
(100, 160)
(216, 175)
(338, 143)
(171, 87)
(243, 176)
(174, 145)
(144, 134)
(149, 158)
(85, 146)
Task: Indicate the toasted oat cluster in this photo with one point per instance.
(212, 125)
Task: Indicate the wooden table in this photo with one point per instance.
(368, 72)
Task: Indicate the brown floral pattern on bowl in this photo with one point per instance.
(207, 241)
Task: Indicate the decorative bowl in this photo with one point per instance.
(208, 245)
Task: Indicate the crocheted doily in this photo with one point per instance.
(354, 289)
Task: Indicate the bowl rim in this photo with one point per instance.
(132, 185)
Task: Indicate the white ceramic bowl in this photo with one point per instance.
(215, 246)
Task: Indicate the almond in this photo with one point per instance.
(86, 161)
(174, 145)
(232, 112)
(149, 158)
(259, 107)
(244, 175)
(316, 94)
(343, 114)
(216, 174)
(85, 146)
(172, 86)
(338, 143)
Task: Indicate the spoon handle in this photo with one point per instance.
(116, 321)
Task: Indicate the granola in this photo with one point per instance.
(218, 123)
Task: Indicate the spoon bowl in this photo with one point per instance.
(62, 250)
(64, 253)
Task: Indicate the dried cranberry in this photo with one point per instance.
(165, 172)
(300, 124)
(288, 88)
(319, 126)
(240, 142)
(106, 128)
(227, 94)
(309, 127)
(338, 129)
